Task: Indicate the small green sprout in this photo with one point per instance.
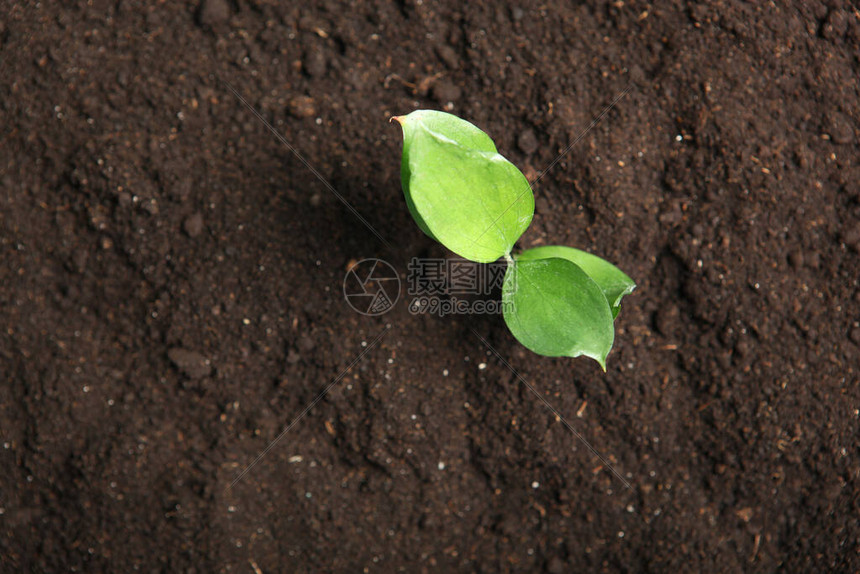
(557, 301)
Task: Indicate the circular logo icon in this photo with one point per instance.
(371, 287)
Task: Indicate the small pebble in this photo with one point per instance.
(745, 514)
(150, 206)
(527, 142)
(840, 128)
(814, 260)
(637, 75)
(124, 199)
(306, 344)
(193, 225)
(556, 566)
(302, 107)
(851, 238)
(795, 259)
(213, 12)
(803, 156)
(835, 26)
(449, 56)
(191, 363)
(357, 79)
(667, 319)
(444, 92)
(314, 63)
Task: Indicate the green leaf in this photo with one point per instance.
(614, 282)
(555, 309)
(459, 189)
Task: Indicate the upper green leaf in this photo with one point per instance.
(555, 309)
(614, 282)
(459, 189)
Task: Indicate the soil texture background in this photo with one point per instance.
(171, 289)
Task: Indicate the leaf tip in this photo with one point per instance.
(600, 358)
(398, 119)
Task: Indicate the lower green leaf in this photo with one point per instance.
(614, 282)
(555, 309)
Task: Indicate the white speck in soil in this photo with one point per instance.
(441, 465)
(535, 484)
(482, 366)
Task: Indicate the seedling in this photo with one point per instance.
(557, 301)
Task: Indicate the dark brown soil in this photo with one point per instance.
(172, 297)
